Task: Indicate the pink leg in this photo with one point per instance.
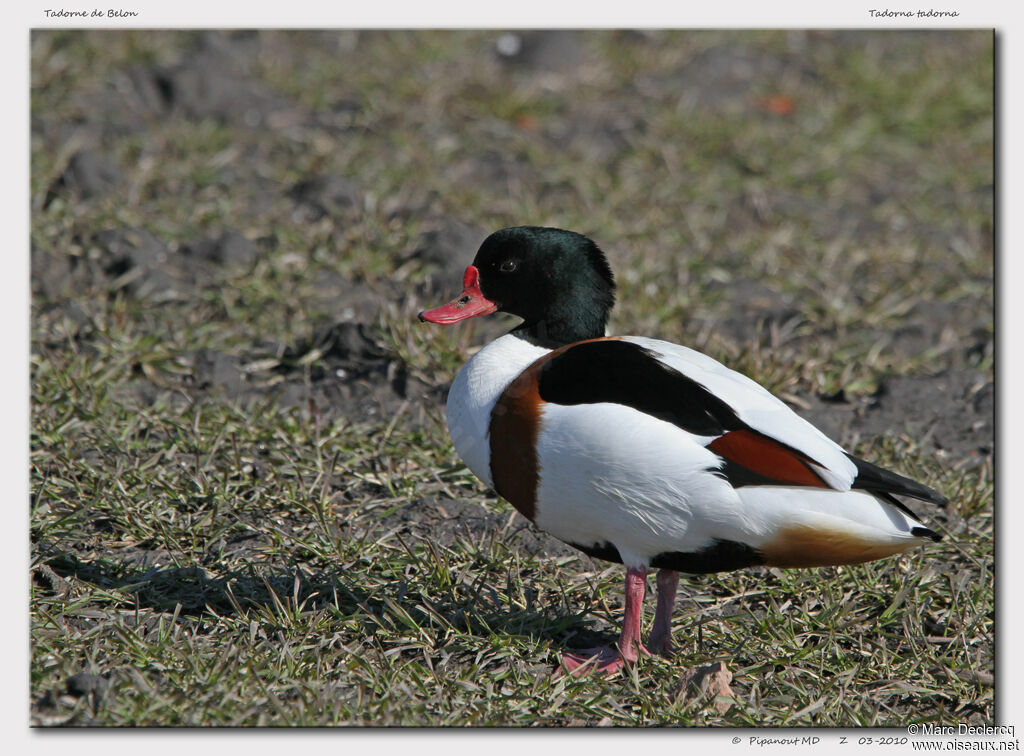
(661, 635)
(611, 659)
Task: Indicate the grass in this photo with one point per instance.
(262, 562)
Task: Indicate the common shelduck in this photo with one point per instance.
(644, 452)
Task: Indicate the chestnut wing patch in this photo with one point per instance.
(753, 459)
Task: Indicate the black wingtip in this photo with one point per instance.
(879, 480)
(922, 532)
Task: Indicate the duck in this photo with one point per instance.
(646, 453)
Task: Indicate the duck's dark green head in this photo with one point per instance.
(557, 281)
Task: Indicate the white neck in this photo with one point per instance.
(475, 390)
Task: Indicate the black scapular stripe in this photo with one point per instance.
(720, 556)
(625, 373)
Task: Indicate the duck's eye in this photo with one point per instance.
(509, 266)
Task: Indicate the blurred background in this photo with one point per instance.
(232, 232)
